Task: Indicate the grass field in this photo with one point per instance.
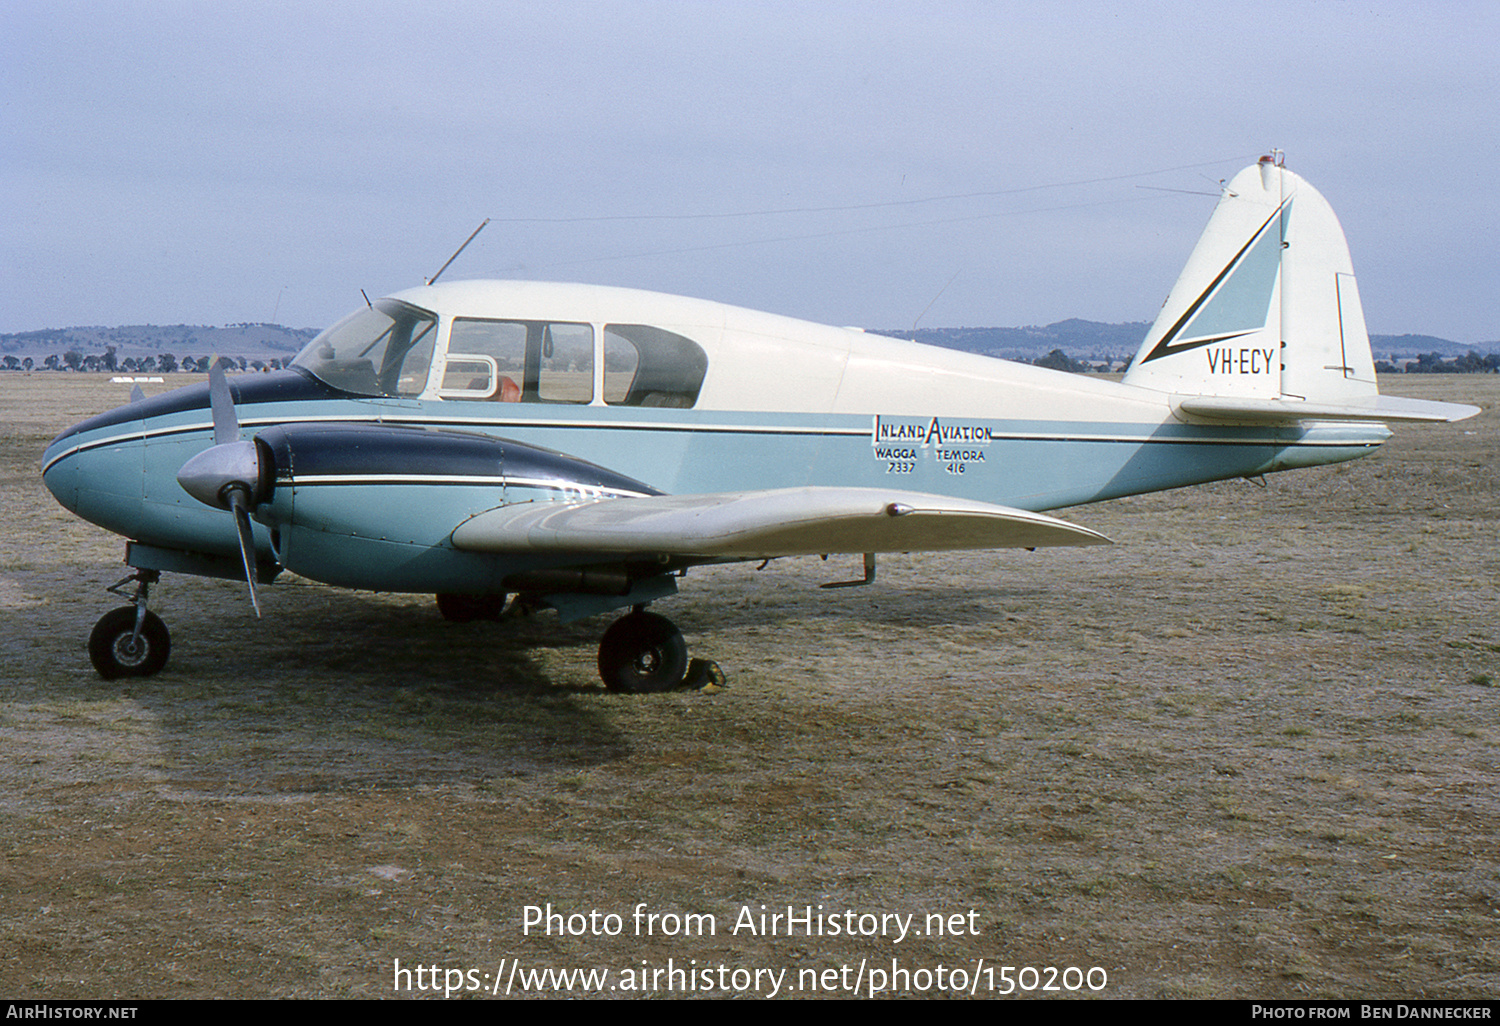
(1249, 751)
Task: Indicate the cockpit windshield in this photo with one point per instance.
(384, 349)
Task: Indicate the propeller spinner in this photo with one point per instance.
(231, 475)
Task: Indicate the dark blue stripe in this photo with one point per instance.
(360, 449)
(286, 386)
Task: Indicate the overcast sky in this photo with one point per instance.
(961, 163)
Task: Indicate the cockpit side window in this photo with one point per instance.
(384, 349)
(519, 361)
(649, 366)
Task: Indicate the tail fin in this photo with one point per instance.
(1264, 322)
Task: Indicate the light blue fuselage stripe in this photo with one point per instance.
(1035, 465)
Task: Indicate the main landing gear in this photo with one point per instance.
(640, 653)
(130, 641)
(644, 652)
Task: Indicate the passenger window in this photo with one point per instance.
(566, 369)
(621, 358)
(647, 366)
(519, 361)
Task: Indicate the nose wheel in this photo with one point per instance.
(130, 641)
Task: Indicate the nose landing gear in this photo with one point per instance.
(130, 641)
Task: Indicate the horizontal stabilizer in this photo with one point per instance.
(764, 524)
(1368, 408)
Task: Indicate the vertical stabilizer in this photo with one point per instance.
(1266, 307)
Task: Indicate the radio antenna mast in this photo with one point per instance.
(460, 249)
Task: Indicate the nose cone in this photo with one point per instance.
(60, 473)
(99, 481)
(100, 455)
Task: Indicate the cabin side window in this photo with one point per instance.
(648, 366)
(519, 361)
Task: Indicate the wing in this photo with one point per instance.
(763, 524)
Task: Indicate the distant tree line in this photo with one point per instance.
(1433, 363)
(164, 363)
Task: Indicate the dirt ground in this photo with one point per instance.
(1251, 750)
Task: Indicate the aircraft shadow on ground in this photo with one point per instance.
(334, 690)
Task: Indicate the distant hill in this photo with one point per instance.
(1409, 346)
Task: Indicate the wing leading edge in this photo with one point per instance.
(765, 524)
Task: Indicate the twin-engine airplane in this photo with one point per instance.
(580, 447)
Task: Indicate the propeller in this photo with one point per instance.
(229, 475)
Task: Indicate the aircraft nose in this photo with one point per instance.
(102, 484)
(60, 475)
(61, 469)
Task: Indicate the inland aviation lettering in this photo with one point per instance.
(932, 438)
(934, 432)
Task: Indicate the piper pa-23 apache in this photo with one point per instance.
(581, 447)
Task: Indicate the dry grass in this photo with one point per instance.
(1250, 751)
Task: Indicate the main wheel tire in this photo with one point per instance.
(115, 651)
(642, 652)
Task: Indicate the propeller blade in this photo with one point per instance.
(237, 496)
(226, 423)
(247, 542)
